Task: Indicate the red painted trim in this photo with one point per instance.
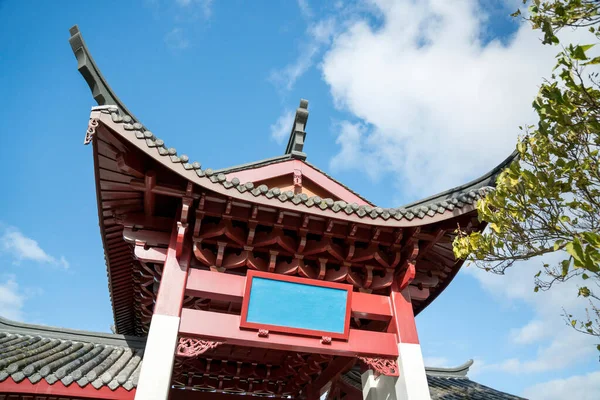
(9, 386)
(169, 299)
(403, 321)
(215, 285)
(229, 287)
(222, 327)
(287, 168)
(244, 323)
(330, 185)
(371, 306)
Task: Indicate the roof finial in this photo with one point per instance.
(296, 141)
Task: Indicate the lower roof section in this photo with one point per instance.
(82, 362)
(79, 364)
(445, 384)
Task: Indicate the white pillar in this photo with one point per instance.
(410, 385)
(157, 367)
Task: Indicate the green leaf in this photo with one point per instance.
(593, 61)
(578, 53)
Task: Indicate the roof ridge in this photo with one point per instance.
(112, 339)
(456, 372)
(488, 179)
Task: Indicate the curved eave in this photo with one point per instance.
(443, 206)
(217, 184)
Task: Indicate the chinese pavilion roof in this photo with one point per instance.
(72, 360)
(427, 224)
(450, 201)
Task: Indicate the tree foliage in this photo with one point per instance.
(548, 201)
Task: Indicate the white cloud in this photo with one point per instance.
(349, 139)
(319, 35)
(21, 247)
(438, 101)
(305, 8)
(580, 387)
(176, 39)
(205, 6)
(530, 333)
(11, 300)
(557, 345)
(281, 129)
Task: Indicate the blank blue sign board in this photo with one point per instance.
(297, 305)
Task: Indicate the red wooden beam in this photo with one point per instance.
(226, 328)
(229, 287)
(403, 322)
(169, 299)
(371, 306)
(9, 386)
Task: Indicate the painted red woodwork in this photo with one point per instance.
(403, 320)
(152, 254)
(9, 386)
(305, 170)
(169, 300)
(225, 328)
(244, 323)
(215, 285)
(371, 306)
(229, 287)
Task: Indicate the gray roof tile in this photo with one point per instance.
(35, 353)
(446, 384)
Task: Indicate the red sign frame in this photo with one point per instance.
(244, 323)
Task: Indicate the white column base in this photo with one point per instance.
(410, 385)
(159, 355)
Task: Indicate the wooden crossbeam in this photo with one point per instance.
(226, 328)
(229, 287)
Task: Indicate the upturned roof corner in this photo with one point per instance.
(101, 91)
(295, 144)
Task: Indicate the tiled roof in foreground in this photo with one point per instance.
(68, 357)
(71, 357)
(446, 384)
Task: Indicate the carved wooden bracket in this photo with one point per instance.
(263, 333)
(297, 181)
(382, 366)
(190, 347)
(408, 270)
(91, 131)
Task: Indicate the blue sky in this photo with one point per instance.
(406, 99)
